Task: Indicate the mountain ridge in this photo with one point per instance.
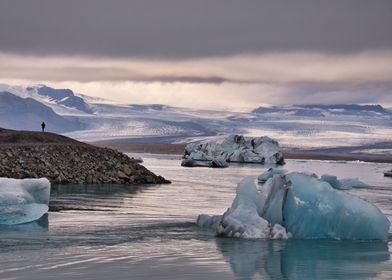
(302, 126)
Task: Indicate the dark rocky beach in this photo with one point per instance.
(27, 154)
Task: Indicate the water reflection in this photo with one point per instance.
(304, 259)
(42, 224)
(103, 197)
(95, 189)
(28, 234)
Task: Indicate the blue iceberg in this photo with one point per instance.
(298, 205)
(313, 209)
(343, 184)
(23, 201)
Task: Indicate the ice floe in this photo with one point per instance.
(298, 205)
(23, 201)
(235, 148)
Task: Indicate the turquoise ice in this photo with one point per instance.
(343, 184)
(23, 201)
(313, 209)
(298, 205)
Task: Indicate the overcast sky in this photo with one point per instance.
(231, 54)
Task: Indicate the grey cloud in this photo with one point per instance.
(232, 95)
(179, 29)
(320, 93)
(278, 68)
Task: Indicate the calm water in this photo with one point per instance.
(149, 233)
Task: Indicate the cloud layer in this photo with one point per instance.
(183, 29)
(207, 53)
(276, 68)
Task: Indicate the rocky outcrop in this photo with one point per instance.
(65, 161)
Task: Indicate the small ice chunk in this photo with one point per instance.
(353, 183)
(23, 201)
(270, 173)
(332, 180)
(343, 184)
(207, 221)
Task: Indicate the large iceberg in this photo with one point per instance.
(297, 205)
(23, 201)
(235, 148)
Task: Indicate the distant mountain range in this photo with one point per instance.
(92, 119)
(64, 97)
(320, 110)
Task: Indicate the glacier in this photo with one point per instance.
(23, 200)
(297, 205)
(235, 148)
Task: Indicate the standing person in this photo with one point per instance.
(43, 126)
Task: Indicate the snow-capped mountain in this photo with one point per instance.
(320, 110)
(64, 97)
(294, 126)
(27, 114)
(62, 101)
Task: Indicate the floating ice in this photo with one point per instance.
(333, 181)
(301, 206)
(245, 217)
(329, 213)
(23, 201)
(215, 163)
(353, 183)
(236, 149)
(270, 173)
(207, 221)
(343, 184)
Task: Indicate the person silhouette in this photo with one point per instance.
(43, 126)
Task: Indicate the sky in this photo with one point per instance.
(205, 53)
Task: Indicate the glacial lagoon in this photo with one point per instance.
(125, 232)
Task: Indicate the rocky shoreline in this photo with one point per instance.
(66, 161)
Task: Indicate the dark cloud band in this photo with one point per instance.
(178, 29)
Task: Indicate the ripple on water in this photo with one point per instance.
(122, 232)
